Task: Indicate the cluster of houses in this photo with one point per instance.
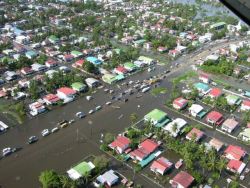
(148, 150)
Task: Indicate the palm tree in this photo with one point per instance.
(220, 165)
(66, 182)
(133, 117)
(86, 176)
(49, 178)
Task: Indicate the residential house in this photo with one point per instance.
(174, 53)
(216, 144)
(146, 60)
(196, 134)
(161, 165)
(65, 93)
(214, 118)
(215, 93)
(205, 78)
(120, 144)
(236, 166)
(212, 57)
(233, 100)
(130, 66)
(182, 180)
(180, 103)
(36, 108)
(109, 178)
(68, 57)
(139, 64)
(50, 63)
(78, 86)
(27, 71)
(175, 127)
(162, 49)
(245, 105)
(218, 26)
(80, 170)
(94, 60)
(234, 152)
(229, 125)
(10, 75)
(51, 99)
(144, 149)
(24, 83)
(31, 54)
(245, 134)
(202, 88)
(92, 82)
(53, 39)
(76, 54)
(157, 117)
(197, 110)
(78, 64)
(109, 78)
(38, 67)
(120, 70)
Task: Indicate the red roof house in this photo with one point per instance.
(120, 70)
(120, 144)
(51, 63)
(204, 78)
(215, 93)
(214, 118)
(245, 105)
(65, 92)
(68, 57)
(161, 165)
(147, 147)
(236, 166)
(182, 180)
(234, 152)
(51, 99)
(79, 63)
(27, 70)
(180, 103)
(196, 133)
(2, 93)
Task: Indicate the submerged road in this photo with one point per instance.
(70, 145)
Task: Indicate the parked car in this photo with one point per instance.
(89, 98)
(7, 151)
(108, 103)
(91, 111)
(45, 132)
(98, 108)
(71, 121)
(54, 129)
(80, 115)
(32, 139)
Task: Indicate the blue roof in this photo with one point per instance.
(247, 93)
(31, 53)
(94, 60)
(17, 31)
(202, 86)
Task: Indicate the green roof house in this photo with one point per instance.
(139, 43)
(157, 117)
(130, 66)
(218, 26)
(146, 60)
(78, 86)
(76, 53)
(109, 78)
(53, 39)
(233, 100)
(80, 170)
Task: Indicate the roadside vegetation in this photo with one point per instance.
(14, 110)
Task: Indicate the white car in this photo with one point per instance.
(108, 103)
(6, 151)
(80, 115)
(54, 129)
(91, 111)
(89, 98)
(45, 132)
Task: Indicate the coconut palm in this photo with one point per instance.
(49, 179)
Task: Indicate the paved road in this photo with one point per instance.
(70, 145)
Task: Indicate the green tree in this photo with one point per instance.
(101, 162)
(108, 138)
(133, 117)
(49, 179)
(34, 89)
(89, 67)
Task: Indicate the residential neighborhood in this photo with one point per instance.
(124, 93)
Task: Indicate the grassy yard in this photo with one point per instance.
(16, 111)
(158, 90)
(184, 77)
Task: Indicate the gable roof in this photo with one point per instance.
(162, 164)
(183, 178)
(149, 145)
(234, 152)
(198, 134)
